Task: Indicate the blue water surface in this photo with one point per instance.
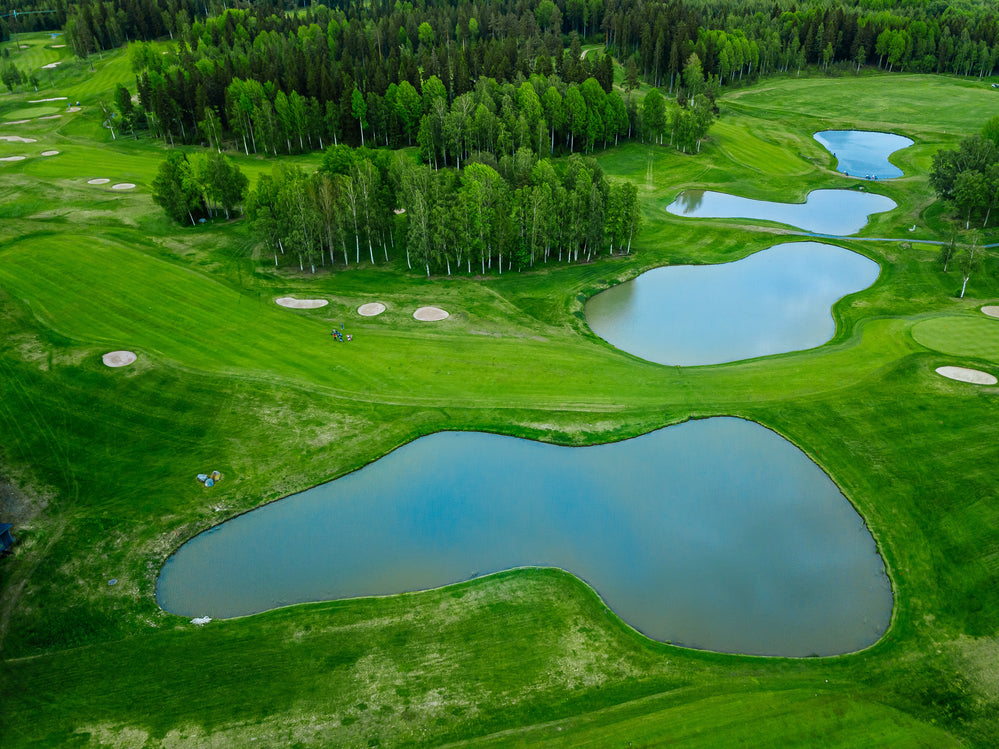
(771, 302)
(864, 153)
(715, 534)
(834, 212)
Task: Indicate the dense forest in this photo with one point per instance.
(359, 203)
(338, 71)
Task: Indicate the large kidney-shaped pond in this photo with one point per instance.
(774, 301)
(714, 534)
(831, 212)
(864, 153)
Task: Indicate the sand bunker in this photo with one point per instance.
(50, 153)
(54, 98)
(73, 109)
(371, 309)
(58, 46)
(293, 303)
(13, 158)
(123, 186)
(51, 117)
(963, 374)
(16, 139)
(17, 122)
(98, 181)
(51, 65)
(430, 314)
(119, 358)
(991, 310)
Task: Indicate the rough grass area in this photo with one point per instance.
(97, 464)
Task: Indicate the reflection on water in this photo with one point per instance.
(863, 153)
(835, 212)
(690, 201)
(715, 534)
(771, 302)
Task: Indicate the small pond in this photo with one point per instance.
(863, 153)
(774, 301)
(714, 534)
(832, 212)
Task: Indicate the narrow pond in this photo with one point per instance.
(864, 153)
(715, 534)
(771, 302)
(831, 212)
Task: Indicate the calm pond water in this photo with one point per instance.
(834, 212)
(863, 153)
(771, 302)
(714, 534)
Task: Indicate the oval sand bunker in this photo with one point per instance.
(98, 181)
(963, 374)
(13, 158)
(371, 309)
(123, 186)
(293, 303)
(991, 310)
(119, 358)
(430, 314)
(50, 153)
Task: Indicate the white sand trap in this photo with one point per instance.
(73, 109)
(963, 374)
(17, 122)
(430, 314)
(54, 98)
(293, 303)
(123, 186)
(13, 158)
(991, 310)
(119, 358)
(51, 65)
(51, 117)
(371, 309)
(398, 211)
(58, 46)
(16, 139)
(98, 181)
(50, 153)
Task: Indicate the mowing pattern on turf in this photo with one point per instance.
(960, 336)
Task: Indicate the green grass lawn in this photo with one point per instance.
(974, 337)
(96, 464)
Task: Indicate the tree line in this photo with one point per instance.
(968, 176)
(363, 205)
(374, 44)
(198, 186)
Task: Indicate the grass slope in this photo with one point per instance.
(96, 464)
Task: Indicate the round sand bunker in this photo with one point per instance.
(50, 153)
(371, 309)
(123, 186)
(963, 374)
(430, 314)
(991, 310)
(293, 303)
(119, 358)
(98, 181)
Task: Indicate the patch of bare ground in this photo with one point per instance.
(981, 659)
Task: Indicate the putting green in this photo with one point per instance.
(960, 336)
(30, 112)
